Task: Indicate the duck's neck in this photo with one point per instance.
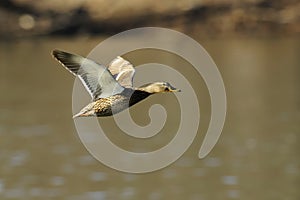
(137, 96)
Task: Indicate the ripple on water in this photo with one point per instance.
(34, 130)
(61, 149)
(52, 192)
(129, 177)
(36, 192)
(18, 158)
(212, 162)
(199, 172)
(233, 194)
(28, 179)
(229, 180)
(185, 162)
(251, 144)
(98, 176)
(86, 160)
(1, 186)
(14, 193)
(169, 173)
(2, 130)
(196, 197)
(292, 169)
(128, 192)
(57, 180)
(155, 195)
(67, 168)
(95, 195)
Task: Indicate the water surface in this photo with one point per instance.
(257, 156)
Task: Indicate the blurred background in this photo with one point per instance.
(255, 44)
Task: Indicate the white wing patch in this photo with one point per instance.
(123, 71)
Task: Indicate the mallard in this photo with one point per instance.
(110, 87)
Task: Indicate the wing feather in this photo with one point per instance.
(98, 81)
(123, 71)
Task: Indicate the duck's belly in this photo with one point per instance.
(111, 105)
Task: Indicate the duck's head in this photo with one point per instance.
(158, 87)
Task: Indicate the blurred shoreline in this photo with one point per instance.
(29, 18)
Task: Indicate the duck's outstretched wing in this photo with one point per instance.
(122, 70)
(98, 81)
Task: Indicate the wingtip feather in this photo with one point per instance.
(71, 62)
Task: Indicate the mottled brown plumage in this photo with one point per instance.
(117, 103)
(110, 88)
